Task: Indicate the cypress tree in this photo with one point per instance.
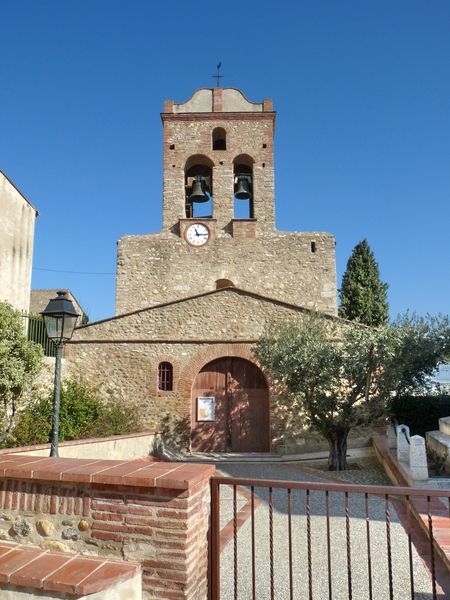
(363, 295)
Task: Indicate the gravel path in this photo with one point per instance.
(319, 564)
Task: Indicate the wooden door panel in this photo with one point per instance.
(242, 408)
(249, 428)
(210, 436)
(248, 395)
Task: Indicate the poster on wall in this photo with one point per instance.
(206, 408)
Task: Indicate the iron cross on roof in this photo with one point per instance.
(218, 76)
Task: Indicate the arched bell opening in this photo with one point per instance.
(219, 139)
(230, 407)
(198, 182)
(243, 187)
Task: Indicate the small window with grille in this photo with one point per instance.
(165, 377)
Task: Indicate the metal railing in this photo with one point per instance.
(291, 540)
(36, 332)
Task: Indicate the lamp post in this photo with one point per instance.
(60, 318)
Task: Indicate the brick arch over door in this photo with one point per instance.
(239, 393)
(208, 354)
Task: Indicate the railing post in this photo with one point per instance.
(214, 542)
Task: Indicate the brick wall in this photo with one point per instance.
(152, 513)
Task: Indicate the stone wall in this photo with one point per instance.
(162, 267)
(116, 447)
(224, 314)
(17, 219)
(246, 134)
(122, 354)
(130, 372)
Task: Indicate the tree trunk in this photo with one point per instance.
(337, 458)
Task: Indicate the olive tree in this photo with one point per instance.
(341, 375)
(20, 360)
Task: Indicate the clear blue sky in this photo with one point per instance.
(362, 92)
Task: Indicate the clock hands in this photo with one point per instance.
(199, 234)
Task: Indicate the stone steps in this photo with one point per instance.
(256, 457)
(438, 443)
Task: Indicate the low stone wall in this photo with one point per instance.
(117, 447)
(149, 512)
(305, 441)
(438, 444)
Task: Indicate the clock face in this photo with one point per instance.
(197, 234)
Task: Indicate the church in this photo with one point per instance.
(192, 299)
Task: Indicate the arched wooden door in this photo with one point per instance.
(238, 393)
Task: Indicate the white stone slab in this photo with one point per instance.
(402, 443)
(444, 425)
(418, 464)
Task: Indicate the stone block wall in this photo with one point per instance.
(189, 135)
(157, 268)
(130, 446)
(129, 371)
(122, 354)
(155, 514)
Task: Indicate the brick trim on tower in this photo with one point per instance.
(223, 116)
(217, 100)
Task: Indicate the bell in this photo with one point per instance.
(197, 193)
(243, 189)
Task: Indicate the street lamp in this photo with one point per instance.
(60, 318)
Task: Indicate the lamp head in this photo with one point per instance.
(60, 318)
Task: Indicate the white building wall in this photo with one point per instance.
(17, 220)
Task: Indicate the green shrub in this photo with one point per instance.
(83, 414)
(116, 418)
(420, 413)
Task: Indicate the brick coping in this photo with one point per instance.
(143, 472)
(31, 567)
(86, 441)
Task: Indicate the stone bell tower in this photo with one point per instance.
(219, 215)
(224, 143)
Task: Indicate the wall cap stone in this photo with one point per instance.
(30, 567)
(143, 473)
(84, 442)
